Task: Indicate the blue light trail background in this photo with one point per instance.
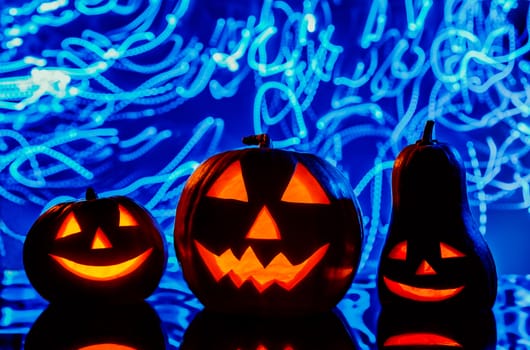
(129, 96)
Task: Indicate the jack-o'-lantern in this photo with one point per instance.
(433, 253)
(133, 326)
(444, 329)
(263, 230)
(104, 249)
(229, 332)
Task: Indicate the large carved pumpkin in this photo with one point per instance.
(104, 249)
(133, 326)
(268, 231)
(230, 332)
(434, 253)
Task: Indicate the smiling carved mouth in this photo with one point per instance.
(420, 294)
(249, 268)
(102, 273)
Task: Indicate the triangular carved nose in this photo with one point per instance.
(100, 241)
(425, 269)
(264, 227)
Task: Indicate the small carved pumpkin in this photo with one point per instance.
(133, 326)
(229, 332)
(268, 231)
(444, 329)
(433, 254)
(107, 249)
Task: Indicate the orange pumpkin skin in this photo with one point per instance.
(261, 231)
(98, 249)
(434, 254)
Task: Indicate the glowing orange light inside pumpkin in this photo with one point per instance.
(107, 346)
(100, 241)
(230, 185)
(264, 227)
(338, 273)
(126, 219)
(399, 252)
(421, 339)
(69, 227)
(425, 269)
(446, 251)
(420, 294)
(105, 272)
(304, 188)
(249, 268)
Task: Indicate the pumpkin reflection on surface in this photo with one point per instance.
(405, 329)
(111, 327)
(433, 253)
(107, 346)
(229, 332)
(268, 231)
(98, 249)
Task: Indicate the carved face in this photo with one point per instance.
(264, 228)
(111, 327)
(302, 188)
(99, 248)
(423, 280)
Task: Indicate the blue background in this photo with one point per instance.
(129, 96)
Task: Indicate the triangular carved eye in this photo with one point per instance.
(399, 252)
(229, 185)
(126, 218)
(69, 227)
(446, 251)
(304, 188)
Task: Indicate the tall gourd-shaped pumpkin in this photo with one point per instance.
(98, 249)
(433, 254)
(268, 231)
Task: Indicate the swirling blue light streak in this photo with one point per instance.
(375, 23)
(91, 91)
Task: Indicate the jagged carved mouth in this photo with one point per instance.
(279, 271)
(420, 294)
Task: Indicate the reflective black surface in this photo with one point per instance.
(172, 315)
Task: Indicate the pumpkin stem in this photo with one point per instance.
(90, 194)
(427, 132)
(262, 140)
